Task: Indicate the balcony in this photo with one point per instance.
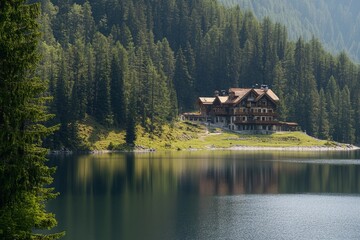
(256, 122)
(249, 113)
(272, 114)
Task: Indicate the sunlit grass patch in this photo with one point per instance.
(186, 135)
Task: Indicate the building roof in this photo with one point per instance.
(272, 95)
(207, 100)
(237, 94)
(241, 92)
(223, 99)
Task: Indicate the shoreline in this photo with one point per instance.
(345, 148)
(348, 147)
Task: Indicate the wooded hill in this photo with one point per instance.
(335, 23)
(128, 62)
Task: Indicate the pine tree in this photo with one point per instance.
(313, 113)
(346, 117)
(323, 117)
(357, 118)
(23, 173)
(279, 86)
(119, 70)
(183, 82)
(333, 106)
(102, 99)
(79, 93)
(131, 119)
(62, 100)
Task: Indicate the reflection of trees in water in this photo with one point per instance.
(280, 178)
(205, 173)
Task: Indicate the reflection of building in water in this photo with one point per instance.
(239, 180)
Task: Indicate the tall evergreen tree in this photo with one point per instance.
(119, 70)
(79, 90)
(183, 82)
(357, 118)
(346, 117)
(333, 106)
(102, 100)
(23, 173)
(323, 117)
(279, 86)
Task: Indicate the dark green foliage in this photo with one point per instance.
(131, 122)
(334, 22)
(164, 54)
(323, 123)
(118, 74)
(183, 82)
(23, 173)
(102, 102)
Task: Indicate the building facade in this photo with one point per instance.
(242, 109)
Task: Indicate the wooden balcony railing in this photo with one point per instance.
(258, 122)
(238, 113)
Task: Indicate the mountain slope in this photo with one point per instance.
(336, 23)
(141, 62)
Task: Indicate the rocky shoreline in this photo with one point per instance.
(339, 147)
(345, 147)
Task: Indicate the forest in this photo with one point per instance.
(129, 62)
(335, 23)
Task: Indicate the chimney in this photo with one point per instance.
(264, 87)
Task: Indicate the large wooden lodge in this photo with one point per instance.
(242, 109)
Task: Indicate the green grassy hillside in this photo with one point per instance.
(187, 135)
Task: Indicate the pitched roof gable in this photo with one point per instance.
(207, 100)
(272, 95)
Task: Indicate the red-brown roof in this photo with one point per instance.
(272, 95)
(237, 94)
(241, 92)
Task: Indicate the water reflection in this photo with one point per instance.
(202, 195)
(210, 173)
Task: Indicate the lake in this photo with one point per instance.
(208, 195)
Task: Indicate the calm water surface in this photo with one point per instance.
(208, 195)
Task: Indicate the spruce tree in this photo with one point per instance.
(118, 72)
(131, 120)
(347, 130)
(23, 173)
(323, 117)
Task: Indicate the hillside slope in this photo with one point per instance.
(336, 23)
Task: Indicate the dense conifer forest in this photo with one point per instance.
(128, 62)
(334, 22)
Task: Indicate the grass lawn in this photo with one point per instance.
(231, 139)
(187, 135)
